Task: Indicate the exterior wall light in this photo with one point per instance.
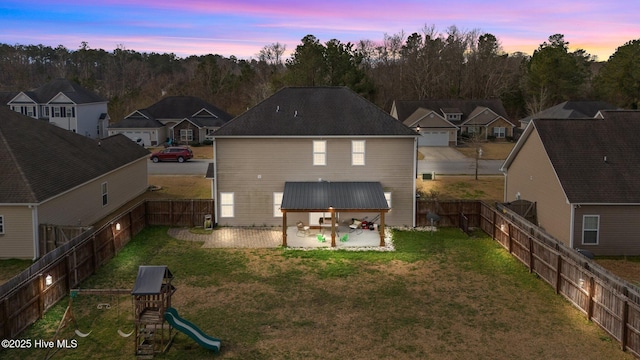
(48, 280)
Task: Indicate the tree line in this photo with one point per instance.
(428, 64)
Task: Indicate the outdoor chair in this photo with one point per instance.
(344, 238)
(321, 238)
(356, 226)
(303, 230)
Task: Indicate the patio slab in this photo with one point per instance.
(255, 237)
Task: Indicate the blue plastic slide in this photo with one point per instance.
(204, 340)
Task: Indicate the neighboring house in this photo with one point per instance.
(583, 176)
(178, 119)
(52, 176)
(303, 142)
(570, 110)
(65, 104)
(441, 122)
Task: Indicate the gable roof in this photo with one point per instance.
(315, 111)
(571, 110)
(428, 118)
(483, 115)
(180, 107)
(404, 108)
(597, 161)
(51, 160)
(71, 89)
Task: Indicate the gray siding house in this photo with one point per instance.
(60, 178)
(583, 175)
(306, 135)
(65, 104)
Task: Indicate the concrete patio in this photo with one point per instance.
(255, 237)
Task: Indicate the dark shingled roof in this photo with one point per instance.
(340, 195)
(72, 90)
(577, 149)
(39, 160)
(314, 111)
(572, 110)
(405, 108)
(180, 107)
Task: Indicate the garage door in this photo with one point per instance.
(137, 136)
(433, 138)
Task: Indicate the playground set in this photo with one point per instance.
(154, 318)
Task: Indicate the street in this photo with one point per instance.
(191, 167)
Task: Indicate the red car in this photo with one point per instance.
(174, 153)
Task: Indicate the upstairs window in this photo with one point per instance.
(105, 194)
(1, 224)
(319, 152)
(357, 152)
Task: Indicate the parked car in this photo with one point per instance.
(172, 153)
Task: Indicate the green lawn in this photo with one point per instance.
(441, 295)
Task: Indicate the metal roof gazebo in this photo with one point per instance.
(334, 197)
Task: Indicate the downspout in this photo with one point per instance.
(415, 175)
(571, 227)
(214, 186)
(36, 233)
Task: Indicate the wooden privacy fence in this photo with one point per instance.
(605, 299)
(26, 297)
(449, 211)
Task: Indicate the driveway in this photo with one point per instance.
(449, 161)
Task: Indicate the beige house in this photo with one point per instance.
(583, 175)
(50, 176)
(301, 136)
(441, 122)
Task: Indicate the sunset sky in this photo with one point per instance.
(243, 27)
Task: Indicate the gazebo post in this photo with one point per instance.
(381, 229)
(333, 226)
(284, 228)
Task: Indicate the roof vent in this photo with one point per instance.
(295, 113)
(278, 108)
(605, 158)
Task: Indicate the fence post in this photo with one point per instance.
(40, 296)
(95, 254)
(625, 320)
(558, 272)
(7, 323)
(530, 254)
(592, 285)
(493, 225)
(510, 244)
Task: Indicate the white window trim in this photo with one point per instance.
(227, 208)
(358, 157)
(277, 203)
(186, 135)
(597, 229)
(1, 224)
(500, 134)
(104, 188)
(319, 155)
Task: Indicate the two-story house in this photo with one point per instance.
(65, 104)
(583, 176)
(320, 150)
(178, 119)
(51, 176)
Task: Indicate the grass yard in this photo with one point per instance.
(488, 187)
(490, 150)
(440, 296)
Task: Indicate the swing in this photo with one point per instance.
(120, 332)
